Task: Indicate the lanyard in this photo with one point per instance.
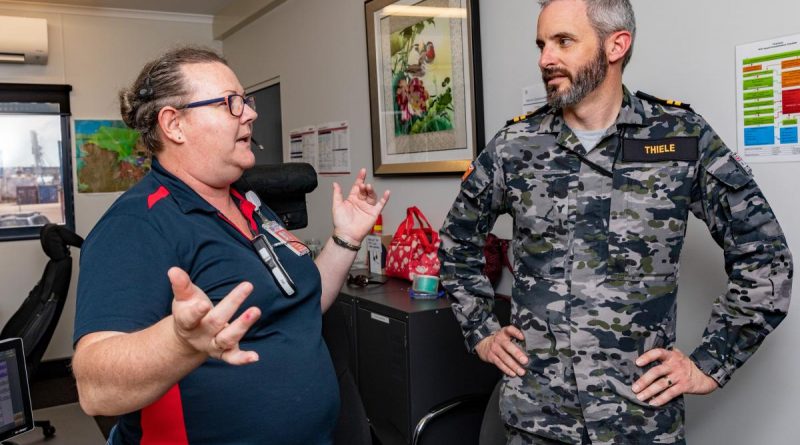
(597, 168)
(263, 247)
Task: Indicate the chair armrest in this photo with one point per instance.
(443, 408)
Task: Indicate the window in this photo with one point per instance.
(35, 168)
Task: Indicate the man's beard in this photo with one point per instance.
(588, 77)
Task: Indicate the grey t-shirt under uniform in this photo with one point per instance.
(589, 139)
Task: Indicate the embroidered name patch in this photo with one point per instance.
(669, 149)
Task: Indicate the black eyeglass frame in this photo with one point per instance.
(249, 101)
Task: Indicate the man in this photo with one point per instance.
(599, 184)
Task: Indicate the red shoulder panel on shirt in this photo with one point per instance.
(163, 422)
(156, 196)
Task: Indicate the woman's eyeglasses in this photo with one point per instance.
(362, 280)
(235, 102)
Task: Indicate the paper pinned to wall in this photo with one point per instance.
(533, 98)
(303, 145)
(334, 148)
(768, 99)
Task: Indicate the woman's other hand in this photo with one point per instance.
(354, 216)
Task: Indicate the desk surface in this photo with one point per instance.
(73, 427)
(393, 294)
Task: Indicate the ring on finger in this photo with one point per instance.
(669, 382)
(216, 345)
(221, 350)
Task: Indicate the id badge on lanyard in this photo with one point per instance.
(270, 259)
(265, 250)
(286, 237)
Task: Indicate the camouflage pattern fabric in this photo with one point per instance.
(596, 246)
(519, 437)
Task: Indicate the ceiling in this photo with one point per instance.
(207, 7)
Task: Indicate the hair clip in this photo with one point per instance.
(146, 92)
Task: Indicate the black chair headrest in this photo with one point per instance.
(278, 180)
(55, 240)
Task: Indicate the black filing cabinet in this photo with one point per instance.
(410, 358)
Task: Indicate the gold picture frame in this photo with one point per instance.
(425, 85)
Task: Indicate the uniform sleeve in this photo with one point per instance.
(463, 236)
(123, 284)
(757, 261)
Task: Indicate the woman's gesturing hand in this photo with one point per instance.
(207, 328)
(354, 216)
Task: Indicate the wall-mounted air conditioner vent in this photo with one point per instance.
(23, 40)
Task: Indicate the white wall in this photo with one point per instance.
(685, 51)
(98, 52)
(318, 49)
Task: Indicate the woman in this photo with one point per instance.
(187, 326)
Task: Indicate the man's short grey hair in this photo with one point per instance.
(608, 17)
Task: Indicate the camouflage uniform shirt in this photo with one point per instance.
(596, 244)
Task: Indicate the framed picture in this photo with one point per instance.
(424, 85)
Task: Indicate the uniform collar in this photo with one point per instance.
(186, 198)
(631, 113)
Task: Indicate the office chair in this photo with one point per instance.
(283, 187)
(461, 411)
(493, 430)
(36, 320)
(459, 414)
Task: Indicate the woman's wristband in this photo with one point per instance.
(342, 243)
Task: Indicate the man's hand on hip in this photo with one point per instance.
(500, 350)
(677, 374)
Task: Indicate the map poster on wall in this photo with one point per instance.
(768, 99)
(109, 156)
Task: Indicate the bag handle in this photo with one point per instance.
(408, 224)
(425, 227)
(407, 228)
(416, 212)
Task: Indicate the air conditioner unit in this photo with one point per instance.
(23, 40)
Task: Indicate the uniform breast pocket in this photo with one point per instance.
(540, 203)
(649, 207)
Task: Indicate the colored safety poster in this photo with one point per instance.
(768, 99)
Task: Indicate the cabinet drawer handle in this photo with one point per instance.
(380, 318)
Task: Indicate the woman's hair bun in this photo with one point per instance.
(160, 83)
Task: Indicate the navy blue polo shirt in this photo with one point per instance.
(290, 396)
